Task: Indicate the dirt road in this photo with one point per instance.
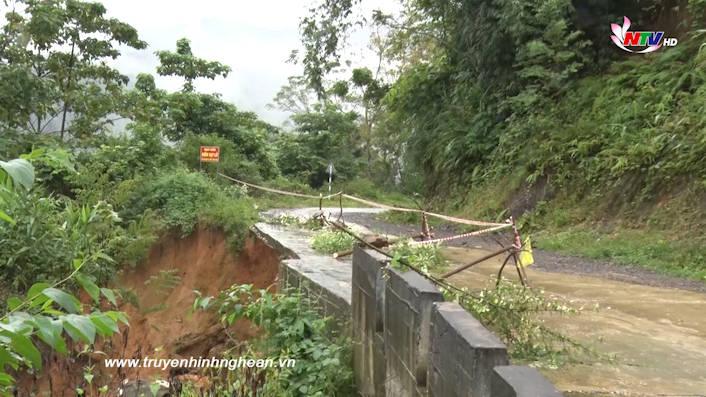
(657, 335)
(653, 325)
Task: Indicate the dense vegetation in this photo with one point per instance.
(292, 329)
(82, 197)
(483, 107)
(499, 107)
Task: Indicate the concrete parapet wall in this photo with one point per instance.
(406, 340)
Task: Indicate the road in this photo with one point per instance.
(649, 329)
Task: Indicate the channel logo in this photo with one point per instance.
(646, 41)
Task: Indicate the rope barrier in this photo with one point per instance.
(435, 215)
(464, 235)
(271, 190)
(460, 292)
(494, 226)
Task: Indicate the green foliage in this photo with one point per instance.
(56, 52)
(45, 234)
(184, 64)
(184, 199)
(330, 241)
(46, 312)
(368, 189)
(294, 221)
(116, 162)
(516, 313)
(235, 160)
(648, 248)
(291, 328)
(322, 136)
(48, 233)
(426, 257)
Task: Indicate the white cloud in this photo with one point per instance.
(254, 38)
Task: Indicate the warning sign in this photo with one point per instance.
(210, 154)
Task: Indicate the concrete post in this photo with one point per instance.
(408, 305)
(520, 381)
(368, 327)
(463, 354)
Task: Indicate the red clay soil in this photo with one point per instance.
(162, 325)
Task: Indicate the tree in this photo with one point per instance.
(370, 94)
(57, 50)
(295, 96)
(324, 135)
(183, 63)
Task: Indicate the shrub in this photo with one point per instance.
(426, 257)
(515, 313)
(330, 241)
(118, 161)
(291, 328)
(183, 199)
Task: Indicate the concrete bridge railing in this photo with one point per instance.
(409, 342)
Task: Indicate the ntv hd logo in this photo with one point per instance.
(650, 41)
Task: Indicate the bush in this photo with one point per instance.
(49, 233)
(184, 199)
(330, 241)
(291, 328)
(426, 257)
(35, 248)
(515, 313)
(118, 161)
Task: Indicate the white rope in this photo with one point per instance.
(493, 225)
(458, 236)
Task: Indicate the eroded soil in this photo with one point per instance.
(158, 297)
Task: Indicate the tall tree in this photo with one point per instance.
(60, 47)
(183, 63)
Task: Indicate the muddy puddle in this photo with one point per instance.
(656, 336)
(158, 296)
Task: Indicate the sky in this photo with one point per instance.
(253, 37)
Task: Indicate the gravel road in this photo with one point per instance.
(544, 260)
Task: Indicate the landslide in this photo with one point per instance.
(157, 296)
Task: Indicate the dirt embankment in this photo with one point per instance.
(157, 297)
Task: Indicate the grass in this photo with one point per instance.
(426, 257)
(330, 241)
(646, 248)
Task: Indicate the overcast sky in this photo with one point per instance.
(253, 37)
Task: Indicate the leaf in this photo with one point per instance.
(7, 359)
(20, 170)
(49, 331)
(5, 217)
(117, 317)
(105, 325)
(23, 346)
(89, 286)
(79, 328)
(13, 302)
(66, 301)
(6, 379)
(35, 291)
(110, 295)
